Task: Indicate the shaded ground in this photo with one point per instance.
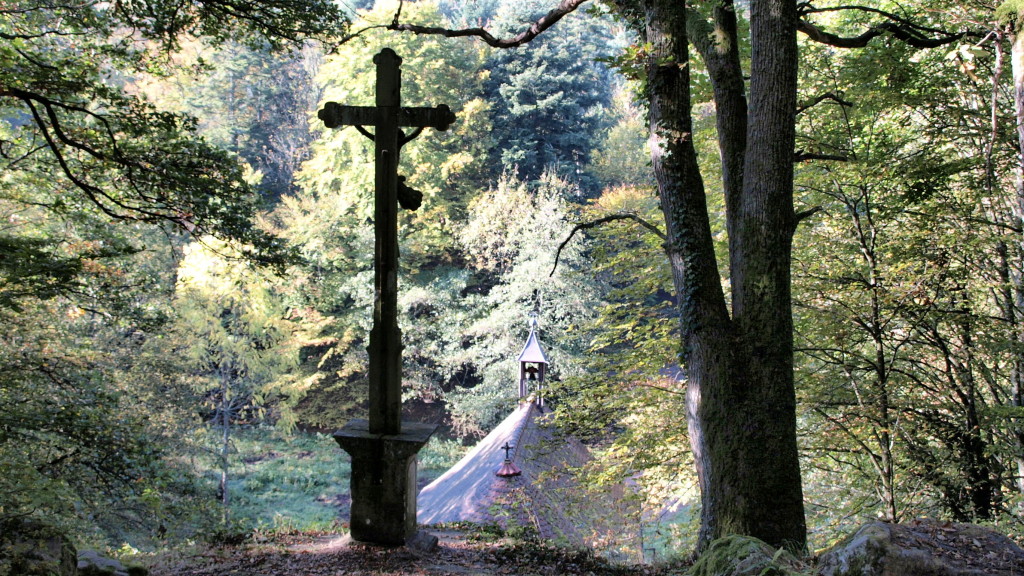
(459, 554)
(964, 546)
(476, 552)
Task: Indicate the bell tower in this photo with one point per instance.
(533, 364)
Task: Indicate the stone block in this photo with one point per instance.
(383, 483)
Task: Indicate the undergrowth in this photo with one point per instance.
(299, 482)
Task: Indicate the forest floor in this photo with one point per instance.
(475, 551)
(460, 553)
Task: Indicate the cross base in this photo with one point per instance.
(383, 480)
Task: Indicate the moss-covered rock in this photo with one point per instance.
(744, 556)
(90, 563)
(923, 548)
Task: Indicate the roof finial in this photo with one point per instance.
(534, 315)
(508, 469)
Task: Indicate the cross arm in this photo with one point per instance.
(335, 115)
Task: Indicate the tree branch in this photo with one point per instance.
(899, 27)
(821, 98)
(604, 220)
(801, 156)
(334, 47)
(563, 8)
(805, 214)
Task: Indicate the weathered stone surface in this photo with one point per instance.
(422, 541)
(383, 480)
(923, 548)
(744, 556)
(30, 549)
(90, 563)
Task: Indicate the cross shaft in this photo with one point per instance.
(387, 117)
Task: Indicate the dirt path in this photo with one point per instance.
(458, 554)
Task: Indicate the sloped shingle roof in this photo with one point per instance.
(545, 496)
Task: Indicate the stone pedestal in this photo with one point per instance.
(383, 480)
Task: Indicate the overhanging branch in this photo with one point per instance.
(805, 214)
(898, 27)
(563, 8)
(823, 97)
(604, 220)
(801, 156)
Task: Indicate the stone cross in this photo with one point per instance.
(385, 370)
(383, 448)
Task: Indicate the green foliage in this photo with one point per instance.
(628, 400)
(464, 287)
(901, 356)
(85, 425)
(329, 220)
(907, 279)
(510, 242)
(471, 13)
(236, 341)
(228, 315)
(746, 556)
(1009, 12)
(550, 96)
(78, 138)
(280, 22)
(285, 482)
(622, 158)
(446, 166)
(253, 102)
(438, 456)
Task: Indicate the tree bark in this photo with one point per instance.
(741, 403)
(760, 262)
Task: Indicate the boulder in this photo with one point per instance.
(422, 541)
(31, 549)
(90, 563)
(923, 548)
(744, 556)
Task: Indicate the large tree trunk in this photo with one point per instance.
(741, 400)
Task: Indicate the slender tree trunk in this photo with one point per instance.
(879, 402)
(741, 402)
(707, 333)
(1017, 400)
(225, 413)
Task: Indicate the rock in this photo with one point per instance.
(422, 542)
(744, 556)
(923, 548)
(32, 549)
(90, 563)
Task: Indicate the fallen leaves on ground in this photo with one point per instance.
(311, 555)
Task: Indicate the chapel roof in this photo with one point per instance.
(545, 496)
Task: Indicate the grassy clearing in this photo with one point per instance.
(299, 482)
